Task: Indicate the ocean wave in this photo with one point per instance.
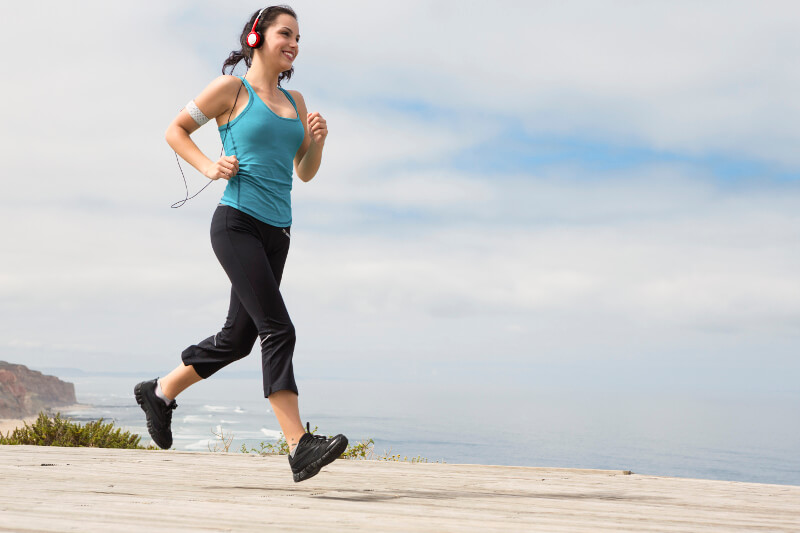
(201, 445)
(216, 408)
(188, 419)
(271, 433)
(196, 436)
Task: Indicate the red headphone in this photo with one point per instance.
(254, 38)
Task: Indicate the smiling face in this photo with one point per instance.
(281, 41)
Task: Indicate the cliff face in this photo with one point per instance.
(25, 392)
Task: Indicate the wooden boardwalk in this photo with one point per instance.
(89, 489)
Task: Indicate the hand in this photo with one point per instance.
(317, 128)
(225, 168)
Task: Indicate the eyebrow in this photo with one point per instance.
(290, 29)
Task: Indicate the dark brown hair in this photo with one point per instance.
(246, 53)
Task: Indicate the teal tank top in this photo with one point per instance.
(265, 145)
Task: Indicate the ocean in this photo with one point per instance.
(754, 438)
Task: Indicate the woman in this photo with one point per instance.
(263, 129)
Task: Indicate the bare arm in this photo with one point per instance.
(215, 100)
(309, 156)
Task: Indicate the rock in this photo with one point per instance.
(25, 392)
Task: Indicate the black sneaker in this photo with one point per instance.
(159, 414)
(313, 452)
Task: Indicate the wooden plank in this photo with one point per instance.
(89, 489)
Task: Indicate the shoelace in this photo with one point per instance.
(316, 437)
(169, 408)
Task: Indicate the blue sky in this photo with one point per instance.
(547, 194)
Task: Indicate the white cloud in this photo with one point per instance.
(394, 252)
(686, 77)
(711, 260)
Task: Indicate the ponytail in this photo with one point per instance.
(236, 56)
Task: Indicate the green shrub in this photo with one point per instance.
(363, 450)
(281, 447)
(57, 431)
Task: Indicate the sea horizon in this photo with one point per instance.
(749, 438)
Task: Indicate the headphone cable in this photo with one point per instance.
(180, 203)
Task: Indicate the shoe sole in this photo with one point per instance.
(137, 392)
(327, 458)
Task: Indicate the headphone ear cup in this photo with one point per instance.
(253, 39)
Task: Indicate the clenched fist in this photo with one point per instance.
(317, 128)
(225, 168)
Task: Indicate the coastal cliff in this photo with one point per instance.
(25, 392)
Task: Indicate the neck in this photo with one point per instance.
(262, 74)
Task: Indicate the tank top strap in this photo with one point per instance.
(289, 96)
(247, 86)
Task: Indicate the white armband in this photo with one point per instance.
(197, 115)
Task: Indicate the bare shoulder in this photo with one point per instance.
(296, 95)
(224, 84)
(298, 98)
(218, 95)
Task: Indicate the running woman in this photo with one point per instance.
(264, 129)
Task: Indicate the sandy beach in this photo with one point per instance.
(10, 424)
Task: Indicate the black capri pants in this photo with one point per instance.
(253, 255)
